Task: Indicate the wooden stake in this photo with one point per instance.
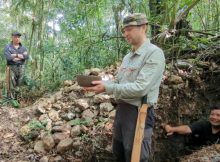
(7, 81)
(139, 132)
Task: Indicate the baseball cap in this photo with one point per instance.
(16, 34)
(134, 19)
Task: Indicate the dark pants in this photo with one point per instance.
(124, 131)
(17, 74)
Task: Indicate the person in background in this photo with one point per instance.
(140, 75)
(205, 132)
(16, 55)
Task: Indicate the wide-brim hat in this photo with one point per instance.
(134, 19)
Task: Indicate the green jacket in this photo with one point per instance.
(140, 74)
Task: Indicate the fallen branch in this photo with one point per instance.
(195, 31)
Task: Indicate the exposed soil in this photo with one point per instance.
(13, 149)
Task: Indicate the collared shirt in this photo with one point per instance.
(140, 74)
(10, 49)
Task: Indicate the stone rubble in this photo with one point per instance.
(77, 124)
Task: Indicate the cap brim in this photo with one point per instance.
(124, 26)
(16, 35)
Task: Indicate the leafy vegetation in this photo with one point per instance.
(79, 122)
(66, 37)
(36, 125)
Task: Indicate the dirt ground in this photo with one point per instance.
(13, 149)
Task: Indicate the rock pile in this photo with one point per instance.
(74, 125)
(207, 154)
(70, 124)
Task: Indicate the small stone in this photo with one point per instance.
(68, 83)
(57, 106)
(82, 104)
(44, 118)
(75, 131)
(54, 115)
(40, 110)
(58, 95)
(39, 147)
(72, 96)
(76, 144)
(59, 137)
(100, 98)
(44, 159)
(106, 107)
(88, 115)
(175, 79)
(112, 114)
(58, 123)
(64, 145)
(78, 153)
(48, 142)
(58, 159)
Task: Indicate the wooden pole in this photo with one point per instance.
(7, 81)
(1, 87)
(139, 131)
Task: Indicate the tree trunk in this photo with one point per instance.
(182, 14)
(117, 12)
(155, 10)
(40, 38)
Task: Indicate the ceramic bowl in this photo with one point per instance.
(86, 80)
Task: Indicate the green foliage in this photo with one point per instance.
(36, 125)
(8, 101)
(15, 103)
(66, 37)
(79, 122)
(3, 42)
(194, 44)
(32, 130)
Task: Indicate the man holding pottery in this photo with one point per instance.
(140, 75)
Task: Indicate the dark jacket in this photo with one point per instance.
(10, 49)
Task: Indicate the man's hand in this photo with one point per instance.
(14, 55)
(168, 129)
(20, 56)
(16, 59)
(98, 88)
(182, 129)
